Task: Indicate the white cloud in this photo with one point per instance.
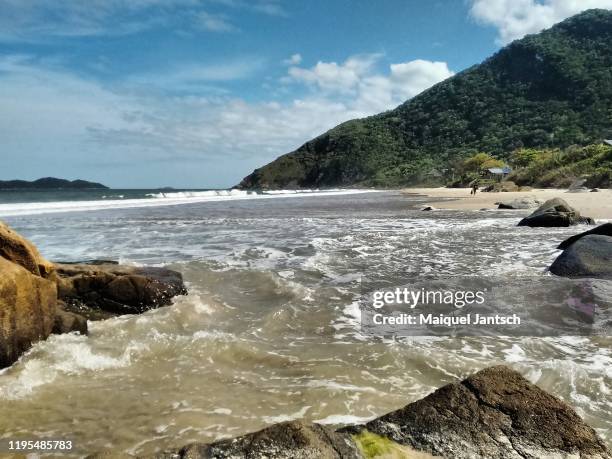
(214, 23)
(294, 59)
(336, 77)
(366, 91)
(411, 78)
(40, 20)
(517, 18)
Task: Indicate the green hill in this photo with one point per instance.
(549, 90)
(50, 183)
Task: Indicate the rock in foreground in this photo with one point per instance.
(605, 229)
(555, 212)
(28, 296)
(27, 310)
(98, 291)
(589, 256)
(493, 414)
(38, 298)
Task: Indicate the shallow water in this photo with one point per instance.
(270, 330)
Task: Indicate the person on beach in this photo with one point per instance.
(474, 188)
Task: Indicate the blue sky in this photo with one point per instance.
(197, 93)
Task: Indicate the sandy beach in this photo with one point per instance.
(596, 205)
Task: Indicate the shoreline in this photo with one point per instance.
(595, 205)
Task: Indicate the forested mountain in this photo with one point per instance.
(552, 89)
(50, 183)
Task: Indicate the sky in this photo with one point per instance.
(198, 93)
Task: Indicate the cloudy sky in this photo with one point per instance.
(197, 93)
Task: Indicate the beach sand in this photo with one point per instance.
(595, 205)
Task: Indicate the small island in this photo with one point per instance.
(50, 183)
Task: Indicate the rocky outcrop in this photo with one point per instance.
(493, 414)
(38, 297)
(98, 291)
(520, 203)
(28, 296)
(589, 256)
(555, 212)
(605, 230)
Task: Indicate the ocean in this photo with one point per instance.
(270, 330)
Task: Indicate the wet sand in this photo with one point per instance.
(596, 205)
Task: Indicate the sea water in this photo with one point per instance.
(270, 330)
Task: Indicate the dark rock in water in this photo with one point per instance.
(521, 203)
(67, 322)
(99, 291)
(428, 209)
(595, 190)
(495, 413)
(589, 256)
(605, 229)
(287, 440)
(555, 212)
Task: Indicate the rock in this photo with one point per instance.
(555, 212)
(605, 229)
(589, 256)
(287, 440)
(19, 250)
(428, 208)
(28, 305)
(495, 413)
(504, 187)
(67, 322)
(520, 203)
(103, 290)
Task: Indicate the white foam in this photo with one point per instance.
(161, 199)
(344, 419)
(286, 417)
(67, 354)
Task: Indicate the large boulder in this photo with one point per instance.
(555, 212)
(28, 305)
(102, 290)
(588, 256)
(495, 413)
(605, 229)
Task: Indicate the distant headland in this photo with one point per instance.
(50, 183)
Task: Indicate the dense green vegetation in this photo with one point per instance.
(550, 90)
(560, 168)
